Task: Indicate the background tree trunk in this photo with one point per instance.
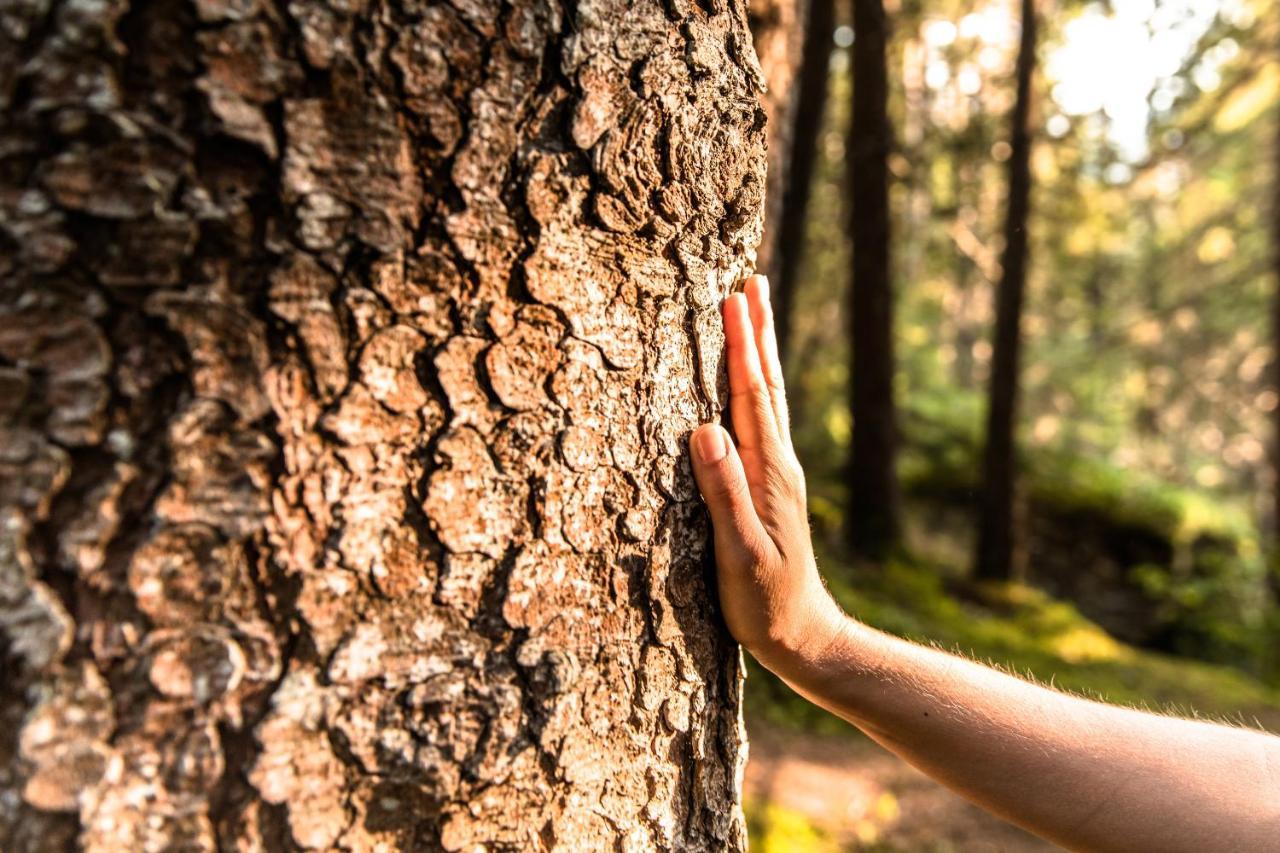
(1273, 575)
(348, 357)
(995, 549)
(778, 32)
(873, 482)
(788, 226)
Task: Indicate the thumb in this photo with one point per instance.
(723, 483)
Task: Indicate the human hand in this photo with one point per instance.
(770, 590)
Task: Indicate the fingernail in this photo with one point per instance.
(764, 286)
(708, 443)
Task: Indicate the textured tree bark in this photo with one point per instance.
(777, 31)
(874, 501)
(347, 356)
(788, 225)
(996, 545)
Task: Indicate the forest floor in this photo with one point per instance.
(810, 792)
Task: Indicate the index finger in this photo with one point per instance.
(749, 404)
(757, 290)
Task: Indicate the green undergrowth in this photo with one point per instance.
(939, 460)
(1191, 557)
(940, 455)
(776, 829)
(1025, 631)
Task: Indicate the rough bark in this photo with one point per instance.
(788, 225)
(777, 30)
(347, 356)
(996, 545)
(874, 501)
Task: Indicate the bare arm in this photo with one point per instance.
(1083, 774)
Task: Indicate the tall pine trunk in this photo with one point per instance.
(995, 558)
(788, 224)
(778, 32)
(873, 522)
(347, 358)
(1273, 576)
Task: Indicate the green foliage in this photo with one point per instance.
(1146, 406)
(1210, 594)
(941, 446)
(772, 828)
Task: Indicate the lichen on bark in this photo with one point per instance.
(347, 356)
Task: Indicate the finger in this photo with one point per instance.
(723, 483)
(767, 345)
(749, 404)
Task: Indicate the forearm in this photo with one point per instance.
(1086, 775)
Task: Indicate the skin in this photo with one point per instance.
(1085, 775)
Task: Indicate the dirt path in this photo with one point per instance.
(867, 799)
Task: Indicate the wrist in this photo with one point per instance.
(808, 645)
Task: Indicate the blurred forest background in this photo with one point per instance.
(1025, 254)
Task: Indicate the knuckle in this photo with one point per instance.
(754, 388)
(785, 472)
(752, 551)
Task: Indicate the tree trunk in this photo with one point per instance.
(777, 30)
(347, 356)
(996, 528)
(873, 482)
(1273, 575)
(787, 227)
